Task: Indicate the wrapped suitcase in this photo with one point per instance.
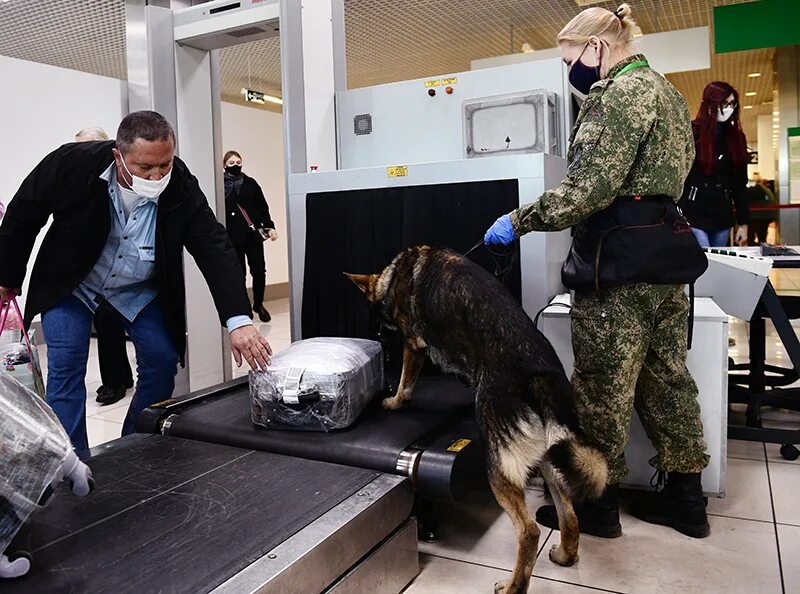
(317, 384)
(36, 456)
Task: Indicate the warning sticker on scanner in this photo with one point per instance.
(397, 171)
(459, 445)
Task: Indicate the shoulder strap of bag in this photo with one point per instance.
(245, 215)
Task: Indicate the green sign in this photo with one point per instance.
(755, 25)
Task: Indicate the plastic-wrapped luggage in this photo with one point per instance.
(35, 455)
(317, 384)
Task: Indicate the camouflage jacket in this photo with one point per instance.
(633, 136)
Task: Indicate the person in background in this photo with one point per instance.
(718, 178)
(759, 195)
(91, 135)
(123, 213)
(249, 223)
(115, 369)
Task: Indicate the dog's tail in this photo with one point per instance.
(580, 470)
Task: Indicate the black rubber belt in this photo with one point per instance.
(174, 515)
(375, 441)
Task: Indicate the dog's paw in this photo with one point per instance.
(507, 587)
(501, 587)
(392, 403)
(560, 557)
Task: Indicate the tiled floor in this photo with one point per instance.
(754, 546)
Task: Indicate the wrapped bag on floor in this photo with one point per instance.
(35, 455)
(317, 384)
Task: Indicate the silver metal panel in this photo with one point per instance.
(315, 557)
(388, 569)
(542, 254)
(223, 23)
(151, 65)
(198, 100)
(409, 126)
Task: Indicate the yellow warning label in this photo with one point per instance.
(431, 83)
(449, 81)
(459, 445)
(397, 171)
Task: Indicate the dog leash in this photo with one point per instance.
(500, 271)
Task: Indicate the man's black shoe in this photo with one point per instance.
(110, 395)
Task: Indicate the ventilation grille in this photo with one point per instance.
(247, 32)
(362, 124)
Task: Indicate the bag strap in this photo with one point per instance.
(246, 217)
(4, 317)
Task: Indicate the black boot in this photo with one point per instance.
(109, 395)
(598, 518)
(263, 314)
(680, 505)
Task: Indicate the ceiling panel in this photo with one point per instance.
(387, 40)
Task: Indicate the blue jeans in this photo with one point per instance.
(712, 238)
(67, 328)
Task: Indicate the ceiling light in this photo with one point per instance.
(754, 74)
(775, 113)
(776, 119)
(751, 94)
(748, 107)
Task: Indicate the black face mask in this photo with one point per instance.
(581, 76)
(234, 170)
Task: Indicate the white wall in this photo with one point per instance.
(671, 51)
(258, 136)
(41, 108)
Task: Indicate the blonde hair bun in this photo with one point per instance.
(615, 27)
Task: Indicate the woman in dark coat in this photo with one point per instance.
(714, 196)
(249, 224)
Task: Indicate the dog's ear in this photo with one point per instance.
(364, 282)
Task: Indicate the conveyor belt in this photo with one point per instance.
(174, 515)
(376, 441)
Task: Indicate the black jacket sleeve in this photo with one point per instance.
(264, 219)
(27, 213)
(739, 189)
(208, 243)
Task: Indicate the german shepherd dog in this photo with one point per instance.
(465, 320)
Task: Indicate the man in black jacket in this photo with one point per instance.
(122, 213)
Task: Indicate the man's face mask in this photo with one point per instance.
(147, 188)
(581, 76)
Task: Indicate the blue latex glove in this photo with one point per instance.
(501, 232)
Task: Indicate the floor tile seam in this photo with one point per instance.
(775, 525)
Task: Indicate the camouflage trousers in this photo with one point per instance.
(630, 352)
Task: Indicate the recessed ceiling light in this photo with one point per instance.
(776, 119)
(751, 94)
(748, 107)
(754, 74)
(776, 113)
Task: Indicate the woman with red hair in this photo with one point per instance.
(718, 179)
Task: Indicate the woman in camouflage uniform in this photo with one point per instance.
(632, 141)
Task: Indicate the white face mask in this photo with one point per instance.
(147, 188)
(724, 113)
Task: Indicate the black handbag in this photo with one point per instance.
(638, 239)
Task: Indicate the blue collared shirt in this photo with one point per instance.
(124, 275)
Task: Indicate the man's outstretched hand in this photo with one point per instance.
(247, 343)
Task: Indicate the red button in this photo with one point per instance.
(449, 90)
